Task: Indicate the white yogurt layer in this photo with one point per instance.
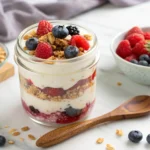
(62, 81)
(47, 107)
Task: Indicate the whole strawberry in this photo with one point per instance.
(147, 35)
(134, 30)
(124, 49)
(44, 27)
(135, 38)
(143, 47)
(43, 50)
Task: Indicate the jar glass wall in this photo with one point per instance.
(60, 91)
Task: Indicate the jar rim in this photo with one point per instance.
(40, 60)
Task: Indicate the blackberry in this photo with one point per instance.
(73, 30)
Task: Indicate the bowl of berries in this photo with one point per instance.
(131, 50)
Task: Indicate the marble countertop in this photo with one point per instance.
(106, 22)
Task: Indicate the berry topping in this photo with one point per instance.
(60, 31)
(72, 112)
(148, 139)
(2, 140)
(43, 50)
(36, 111)
(79, 41)
(135, 136)
(147, 35)
(134, 61)
(145, 57)
(32, 43)
(44, 27)
(71, 51)
(54, 91)
(124, 49)
(143, 47)
(135, 38)
(73, 30)
(143, 63)
(131, 57)
(134, 30)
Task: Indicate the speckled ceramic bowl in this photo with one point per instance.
(137, 73)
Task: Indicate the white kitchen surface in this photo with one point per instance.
(106, 22)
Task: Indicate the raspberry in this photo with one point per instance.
(43, 50)
(124, 49)
(54, 91)
(135, 38)
(147, 35)
(44, 27)
(134, 30)
(131, 57)
(79, 41)
(143, 47)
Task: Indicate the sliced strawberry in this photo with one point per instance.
(134, 30)
(94, 75)
(124, 49)
(79, 41)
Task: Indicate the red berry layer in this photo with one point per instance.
(57, 117)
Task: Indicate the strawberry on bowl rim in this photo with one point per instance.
(137, 73)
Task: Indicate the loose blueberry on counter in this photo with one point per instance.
(32, 43)
(135, 136)
(71, 51)
(145, 57)
(148, 139)
(134, 61)
(73, 30)
(36, 111)
(72, 112)
(143, 63)
(2, 140)
(60, 31)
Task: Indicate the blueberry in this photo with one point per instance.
(134, 61)
(71, 51)
(32, 43)
(36, 111)
(2, 140)
(148, 139)
(60, 31)
(135, 136)
(145, 57)
(143, 63)
(72, 112)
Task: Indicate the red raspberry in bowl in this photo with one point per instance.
(131, 57)
(124, 49)
(143, 47)
(43, 50)
(135, 38)
(147, 35)
(79, 41)
(44, 27)
(134, 30)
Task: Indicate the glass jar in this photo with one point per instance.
(57, 92)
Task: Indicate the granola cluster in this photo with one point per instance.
(2, 55)
(69, 94)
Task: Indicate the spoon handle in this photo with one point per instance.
(63, 133)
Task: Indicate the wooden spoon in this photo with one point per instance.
(135, 107)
